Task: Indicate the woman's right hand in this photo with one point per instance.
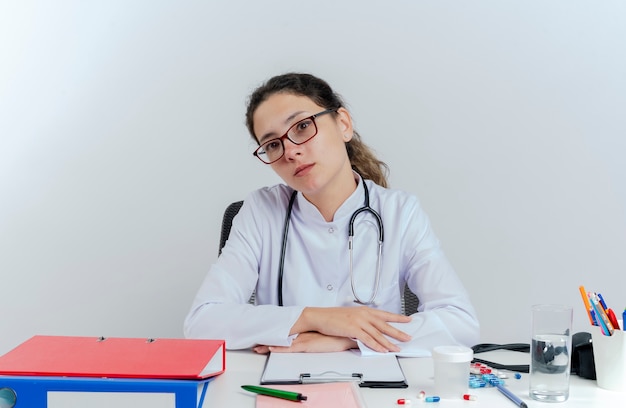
(363, 323)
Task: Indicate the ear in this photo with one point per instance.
(344, 121)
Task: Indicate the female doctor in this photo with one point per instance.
(315, 291)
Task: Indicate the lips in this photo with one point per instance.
(303, 170)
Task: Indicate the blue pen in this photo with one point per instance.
(602, 302)
(606, 330)
(516, 400)
(593, 317)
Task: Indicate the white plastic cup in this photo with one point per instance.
(609, 356)
(452, 369)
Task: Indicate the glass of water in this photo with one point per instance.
(550, 349)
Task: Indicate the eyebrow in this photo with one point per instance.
(269, 136)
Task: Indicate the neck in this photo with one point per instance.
(334, 196)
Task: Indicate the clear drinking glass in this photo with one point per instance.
(551, 346)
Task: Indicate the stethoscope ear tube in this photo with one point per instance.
(379, 221)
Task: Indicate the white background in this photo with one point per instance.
(122, 140)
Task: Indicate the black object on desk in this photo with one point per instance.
(583, 363)
(484, 347)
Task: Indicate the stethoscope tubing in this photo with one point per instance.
(283, 248)
(366, 208)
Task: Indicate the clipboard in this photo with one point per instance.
(379, 371)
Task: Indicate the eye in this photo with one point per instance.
(303, 125)
(272, 146)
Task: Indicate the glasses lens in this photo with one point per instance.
(302, 131)
(270, 151)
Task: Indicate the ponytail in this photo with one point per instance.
(365, 163)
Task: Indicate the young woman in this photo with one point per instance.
(315, 290)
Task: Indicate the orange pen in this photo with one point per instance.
(588, 306)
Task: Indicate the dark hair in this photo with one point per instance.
(361, 157)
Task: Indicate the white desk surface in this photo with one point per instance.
(245, 367)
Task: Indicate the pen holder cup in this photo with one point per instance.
(609, 355)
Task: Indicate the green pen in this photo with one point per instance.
(288, 395)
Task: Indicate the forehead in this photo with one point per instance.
(280, 110)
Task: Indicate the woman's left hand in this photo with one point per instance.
(311, 342)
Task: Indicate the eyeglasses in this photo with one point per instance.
(299, 133)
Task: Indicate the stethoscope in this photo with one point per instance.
(366, 208)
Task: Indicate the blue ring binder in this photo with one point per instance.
(32, 391)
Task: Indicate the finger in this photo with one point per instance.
(379, 333)
(261, 349)
(281, 349)
(377, 342)
(391, 317)
(386, 344)
(395, 333)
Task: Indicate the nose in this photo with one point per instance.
(291, 149)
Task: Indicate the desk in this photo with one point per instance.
(245, 367)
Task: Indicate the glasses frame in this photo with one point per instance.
(286, 136)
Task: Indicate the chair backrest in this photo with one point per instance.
(227, 222)
(409, 299)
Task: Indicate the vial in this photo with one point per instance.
(452, 368)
